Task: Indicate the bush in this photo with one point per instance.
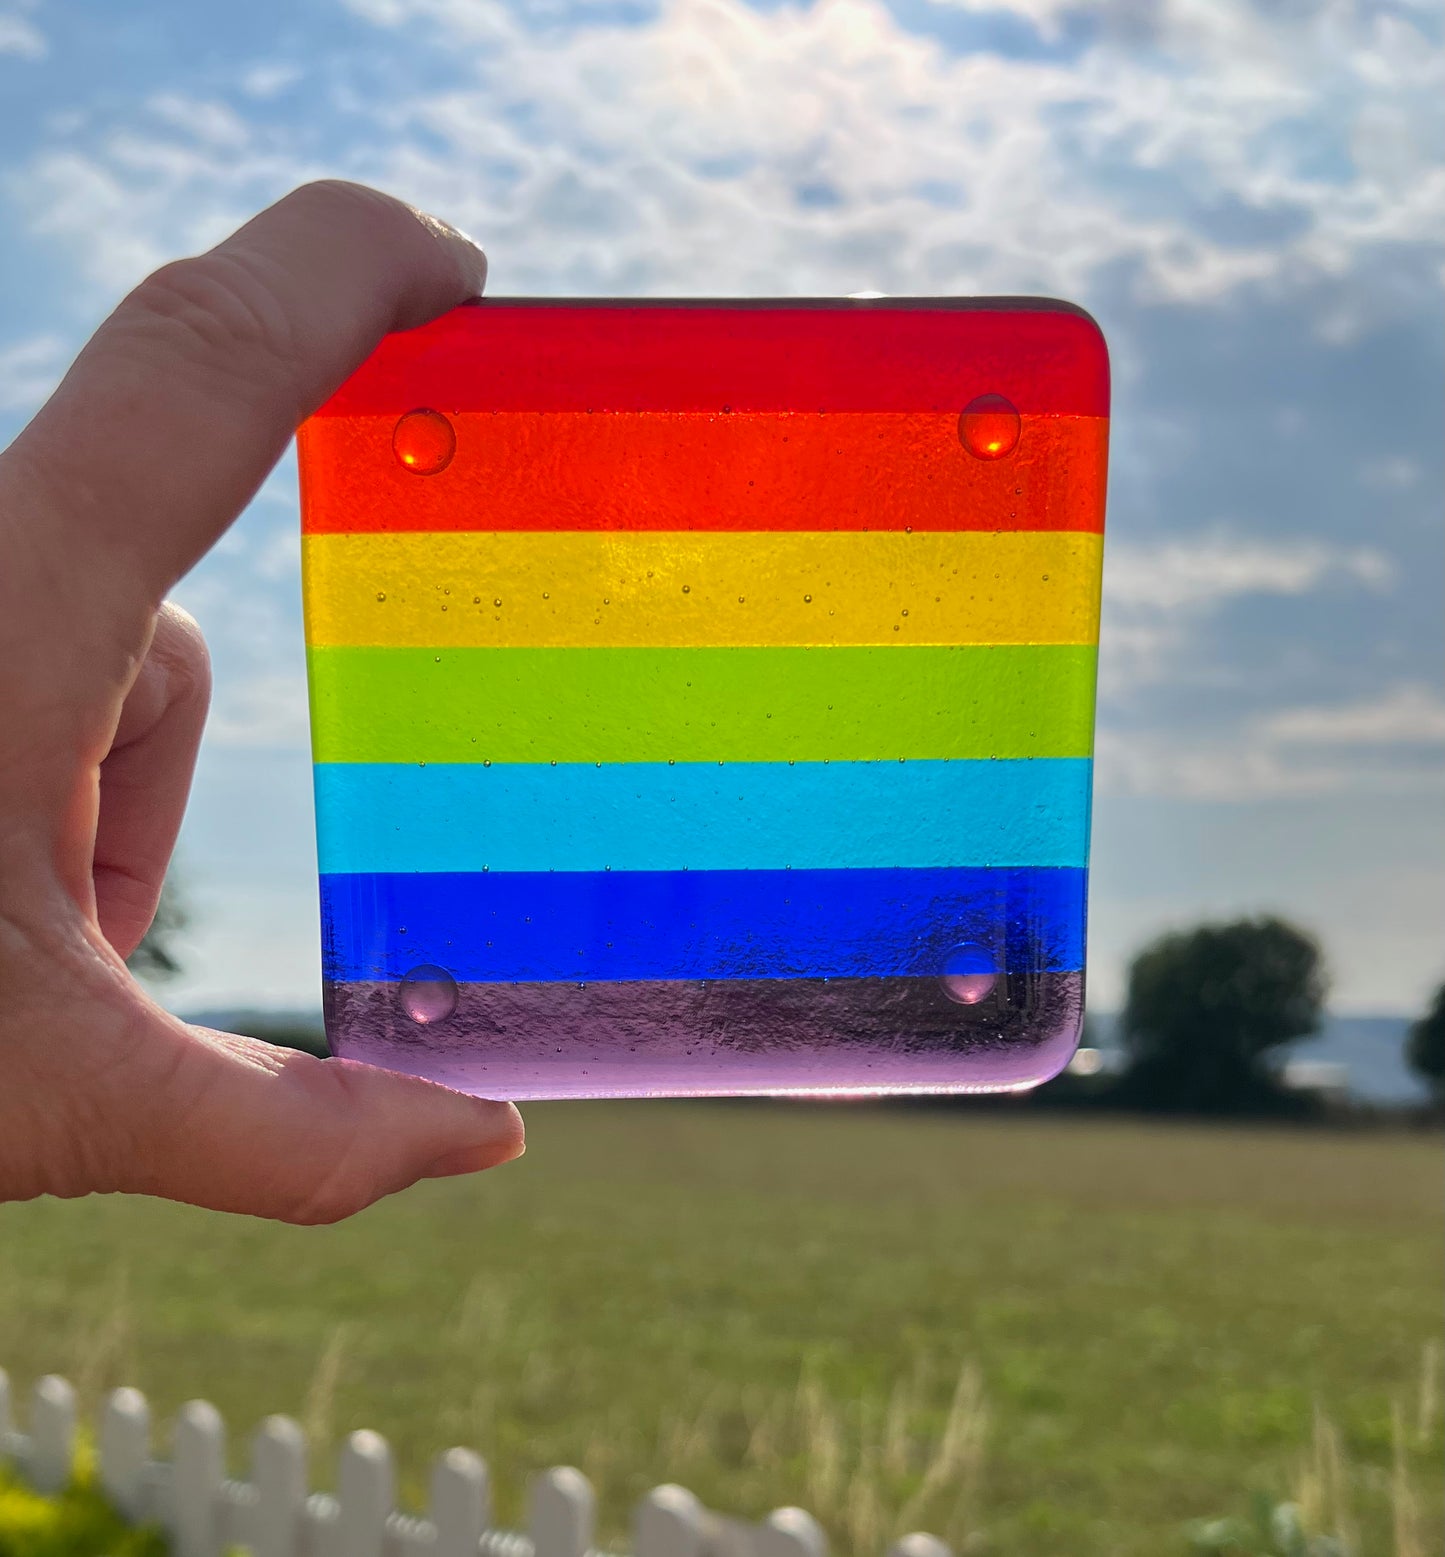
(1208, 1008)
(1425, 1047)
(78, 1523)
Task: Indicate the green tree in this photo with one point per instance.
(156, 958)
(1206, 1009)
(1425, 1046)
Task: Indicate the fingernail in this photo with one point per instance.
(475, 1159)
(468, 251)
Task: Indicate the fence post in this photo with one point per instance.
(460, 1504)
(668, 1523)
(920, 1544)
(561, 1513)
(366, 1491)
(790, 1532)
(724, 1537)
(52, 1434)
(198, 1462)
(14, 1445)
(278, 1475)
(125, 1451)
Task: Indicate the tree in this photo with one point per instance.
(1425, 1046)
(155, 959)
(1207, 1007)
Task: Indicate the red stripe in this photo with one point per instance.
(832, 355)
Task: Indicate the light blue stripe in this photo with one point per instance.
(394, 817)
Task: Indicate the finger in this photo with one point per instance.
(145, 779)
(185, 398)
(241, 1126)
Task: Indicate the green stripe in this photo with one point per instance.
(700, 705)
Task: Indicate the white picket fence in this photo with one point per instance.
(272, 1514)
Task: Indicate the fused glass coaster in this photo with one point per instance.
(702, 694)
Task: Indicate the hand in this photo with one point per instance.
(155, 441)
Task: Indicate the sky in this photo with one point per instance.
(1248, 197)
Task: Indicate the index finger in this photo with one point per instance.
(185, 398)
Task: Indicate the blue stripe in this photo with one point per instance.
(742, 816)
(698, 924)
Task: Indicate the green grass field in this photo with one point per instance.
(1030, 1334)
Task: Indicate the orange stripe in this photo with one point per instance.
(572, 470)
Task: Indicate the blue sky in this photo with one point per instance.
(1248, 197)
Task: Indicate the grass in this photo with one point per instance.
(1032, 1335)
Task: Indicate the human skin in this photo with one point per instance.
(154, 442)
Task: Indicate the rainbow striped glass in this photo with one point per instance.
(702, 694)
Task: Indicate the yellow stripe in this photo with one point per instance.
(681, 590)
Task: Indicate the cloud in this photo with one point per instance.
(210, 123)
(266, 711)
(1179, 767)
(1159, 158)
(1392, 473)
(246, 597)
(709, 147)
(268, 80)
(1159, 597)
(1198, 573)
(29, 370)
(1046, 17)
(20, 38)
(1059, 167)
(1391, 743)
(1240, 766)
(1408, 715)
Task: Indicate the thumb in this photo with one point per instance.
(242, 1126)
